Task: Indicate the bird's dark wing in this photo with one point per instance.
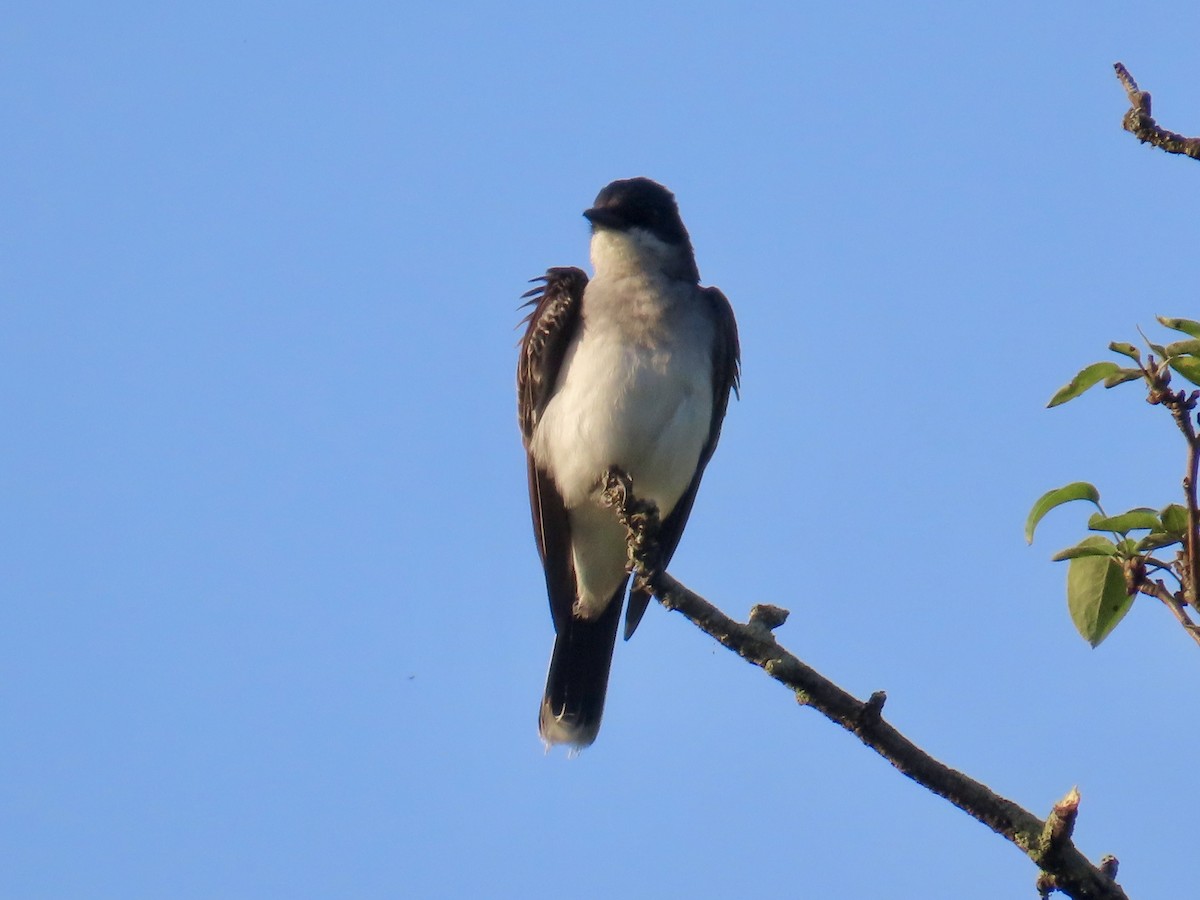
(726, 376)
(548, 333)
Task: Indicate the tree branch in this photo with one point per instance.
(1141, 124)
(1047, 843)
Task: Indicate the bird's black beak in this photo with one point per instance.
(604, 217)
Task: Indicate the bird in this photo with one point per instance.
(631, 369)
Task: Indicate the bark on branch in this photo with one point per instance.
(1141, 124)
(1048, 843)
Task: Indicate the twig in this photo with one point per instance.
(1182, 406)
(1048, 844)
(1193, 513)
(1056, 835)
(1159, 590)
(1141, 124)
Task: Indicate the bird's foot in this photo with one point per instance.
(640, 520)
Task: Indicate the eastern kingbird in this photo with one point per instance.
(632, 370)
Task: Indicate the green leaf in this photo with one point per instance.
(1121, 376)
(1096, 596)
(1156, 540)
(1089, 546)
(1126, 350)
(1183, 348)
(1187, 326)
(1089, 376)
(1076, 490)
(1174, 519)
(1126, 521)
(1188, 367)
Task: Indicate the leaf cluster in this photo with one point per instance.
(1181, 356)
(1104, 568)
(1108, 569)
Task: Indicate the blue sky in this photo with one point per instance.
(272, 618)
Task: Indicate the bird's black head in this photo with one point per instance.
(639, 203)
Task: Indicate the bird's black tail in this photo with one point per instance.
(578, 677)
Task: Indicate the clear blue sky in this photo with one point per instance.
(272, 622)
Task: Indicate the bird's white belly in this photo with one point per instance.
(619, 404)
(622, 404)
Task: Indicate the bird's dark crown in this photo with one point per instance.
(639, 203)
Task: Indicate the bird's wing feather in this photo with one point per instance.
(549, 330)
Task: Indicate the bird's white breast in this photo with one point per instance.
(634, 391)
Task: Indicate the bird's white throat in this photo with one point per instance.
(619, 253)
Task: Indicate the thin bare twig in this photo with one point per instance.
(1048, 844)
(1182, 406)
(1193, 513)
(1141, 124)
(1171, 602)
